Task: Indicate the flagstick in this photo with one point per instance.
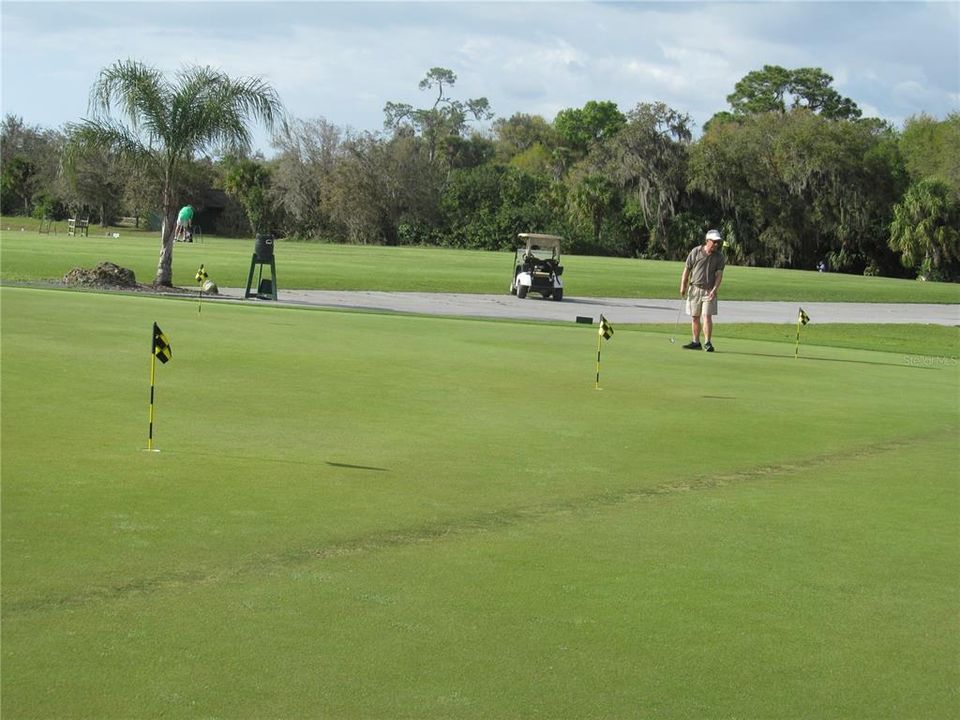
(796, 353)
(599, 342)
(201, 276)
(153, 369)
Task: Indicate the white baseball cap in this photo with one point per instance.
(713, 235)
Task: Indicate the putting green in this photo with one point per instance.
(360, 515)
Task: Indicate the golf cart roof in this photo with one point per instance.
(545, 242)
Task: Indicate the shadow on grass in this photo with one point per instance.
(284, 461)
(830, 360)
(356, 467)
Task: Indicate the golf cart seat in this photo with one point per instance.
(532, 263)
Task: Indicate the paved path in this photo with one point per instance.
(623, 310)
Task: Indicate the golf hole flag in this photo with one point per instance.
(160, 349)
(606, 329)
(201, 279)
(161, 344)
(802, 319)
(604, 333)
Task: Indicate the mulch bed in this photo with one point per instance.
(109, 276)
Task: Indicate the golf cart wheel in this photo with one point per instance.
(522, 291)
(558, 294)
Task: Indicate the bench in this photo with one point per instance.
(78, 226)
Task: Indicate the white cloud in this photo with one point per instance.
(344, 61)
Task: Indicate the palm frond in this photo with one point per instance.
(89, 136)
(215, 110)
(140, 93)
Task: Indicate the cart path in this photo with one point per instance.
(623, 310)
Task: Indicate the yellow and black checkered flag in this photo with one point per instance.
(605, 333)
(606, 329)
(802, 319)
(161, 345)
(201, 279)
(160, 350)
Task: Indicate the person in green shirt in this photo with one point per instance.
(185, 224)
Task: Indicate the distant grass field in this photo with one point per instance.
(30, 256)
(377, 516)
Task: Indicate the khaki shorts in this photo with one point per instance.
(697, 303)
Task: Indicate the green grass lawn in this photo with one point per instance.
(377, 516)
(31, 257)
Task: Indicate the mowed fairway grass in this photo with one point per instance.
(31, 257)
(375, 516)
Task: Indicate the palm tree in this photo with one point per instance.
(925, 228)
(593, 197)
(160, 125)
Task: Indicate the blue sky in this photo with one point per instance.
(343, 61)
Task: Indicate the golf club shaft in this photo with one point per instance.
(676, 325)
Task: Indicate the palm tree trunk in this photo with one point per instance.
(164, 274)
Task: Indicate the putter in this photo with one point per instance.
(676, 325)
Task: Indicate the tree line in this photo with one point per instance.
(791, 173)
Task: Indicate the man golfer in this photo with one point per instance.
(185, 223)
(702, 275)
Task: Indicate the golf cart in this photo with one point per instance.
(536, 267)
